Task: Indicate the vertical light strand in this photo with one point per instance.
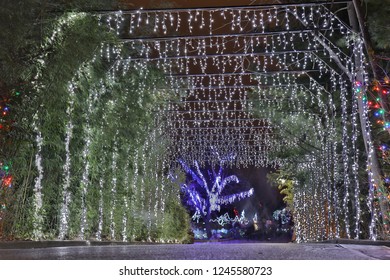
(372, 163)
(163, 194)
(141, 188)
(345, 159)
(113, 187)
(66, 195)
(156, 180)
(336, 196)
(85, 176)
(134, 196)
(297, 214)
(101, 208)
(355, 166)
(37, 200)
(126, 197)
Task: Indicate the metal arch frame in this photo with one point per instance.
(312, 32)
(251, 7)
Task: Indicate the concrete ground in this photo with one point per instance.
(237, 250)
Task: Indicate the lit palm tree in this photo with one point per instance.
(205, 196)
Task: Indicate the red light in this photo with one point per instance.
(7, 181)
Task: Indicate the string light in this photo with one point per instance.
(66, 196)
(282, 69)
(37, 200)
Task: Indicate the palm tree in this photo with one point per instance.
(204, 194)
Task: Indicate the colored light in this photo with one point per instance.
(7, 181)
(381, 111)
(17, 93)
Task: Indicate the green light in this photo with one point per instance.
(381, 111)
(17, 93)
(378, 99)
(6, 168)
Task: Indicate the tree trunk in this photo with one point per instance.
(375, 172)
(208, 225)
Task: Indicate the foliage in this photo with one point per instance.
(285, 183)
(377, 14)
(313, 129)
(69, 90)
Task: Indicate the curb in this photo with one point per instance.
(358, 242)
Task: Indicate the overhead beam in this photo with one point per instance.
(207, 36)
(219, 8)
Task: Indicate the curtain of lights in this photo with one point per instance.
(239, 78)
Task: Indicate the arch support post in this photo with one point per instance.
(376, 187)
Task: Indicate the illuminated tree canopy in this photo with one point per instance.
(204, 193)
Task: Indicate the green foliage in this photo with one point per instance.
(176, 226)
(378, 22)
(56, 63)
(285, 183)
(175, 215)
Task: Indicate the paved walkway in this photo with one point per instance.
(201, 251)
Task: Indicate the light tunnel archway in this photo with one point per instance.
(255, 82)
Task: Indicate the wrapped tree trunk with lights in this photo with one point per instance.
(205, 194)
(376, 188)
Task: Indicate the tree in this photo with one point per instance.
(205, 194)
(374, 27)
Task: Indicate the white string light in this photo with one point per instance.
(66, 195)
(282, 67)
